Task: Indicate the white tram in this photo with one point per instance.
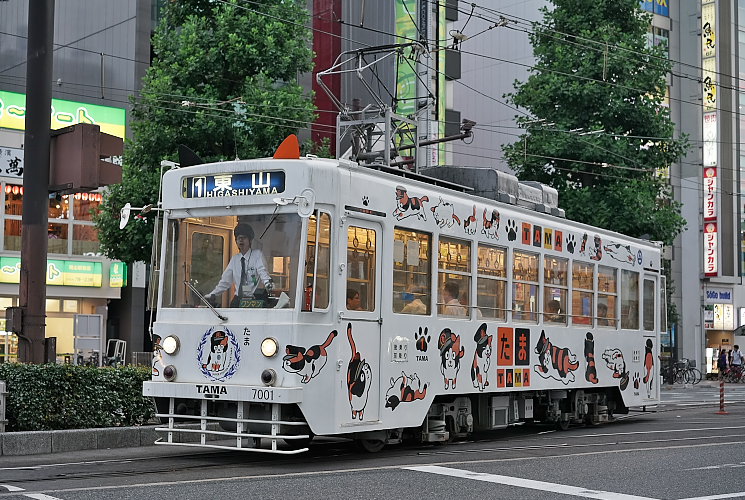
(473, 314)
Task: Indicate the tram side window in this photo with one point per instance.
(525, 286)
(317, 261)
(491, 283)
(361, 270)
(583, 277)
(412, 272)
(648, 305)
(607, 314)
(454, 277)
(555, 279)
(629, 300)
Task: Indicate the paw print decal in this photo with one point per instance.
(571, 243)
(636, 380)
(365, 200)
(422, 339)
(511, 230)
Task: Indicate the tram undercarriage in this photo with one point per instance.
(252, 426)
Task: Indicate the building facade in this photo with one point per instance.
(100, 55)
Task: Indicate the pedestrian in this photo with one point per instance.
(722, 362)
(736, 361)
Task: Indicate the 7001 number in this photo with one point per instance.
(263, 394)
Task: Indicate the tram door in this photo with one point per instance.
(651, 324)
(360, 308)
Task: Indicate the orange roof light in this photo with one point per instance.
(289, 149)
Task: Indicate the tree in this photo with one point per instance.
(598, 130)
(223, 83)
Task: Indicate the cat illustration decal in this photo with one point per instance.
(444, 214)
(218, 354)
(450, 353)
(613, 358)
(557, 363)
(406, 206)
(491, 224)
(648, 367)
(597, 251)
(359, 378)
(591, 372)
(481, 358)
(404, 389)
(307, 362)
(619, 252)
(470, 222)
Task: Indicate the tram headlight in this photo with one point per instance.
(269, 347)
(169, 373)
(170, 344)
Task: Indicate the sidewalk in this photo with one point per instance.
(40, 442)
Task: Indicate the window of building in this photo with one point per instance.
(85, 205)
(361, 272)
(629, 300)
(583, 278)
(555, 280)
(412, 275)
(491, 283)
(454, 277)
(607, 314)
(57, 234)
(525, 286)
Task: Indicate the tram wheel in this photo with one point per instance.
(371, 445)
(562, 424)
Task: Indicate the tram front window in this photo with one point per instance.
(248, 261)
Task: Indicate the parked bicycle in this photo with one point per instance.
(685, 372)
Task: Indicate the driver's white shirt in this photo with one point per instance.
(255, 270)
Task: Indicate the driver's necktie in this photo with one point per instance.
(243, 277)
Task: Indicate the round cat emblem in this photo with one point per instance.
(218, 354)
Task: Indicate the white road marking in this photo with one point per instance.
(36, 496)
(717, 497)
(11, 488)
(526, 483)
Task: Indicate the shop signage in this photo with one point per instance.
(710, 193)
(711, 258)
(11, 162)
(117, 274)
(59, 272)
(64, 113)
(724, 317)
(718, 295)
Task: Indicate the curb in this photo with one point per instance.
(69, 440)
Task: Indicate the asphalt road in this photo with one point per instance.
(682, 449)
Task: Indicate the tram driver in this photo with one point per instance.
(245, 270)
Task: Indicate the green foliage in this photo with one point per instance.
(223, 82)
(51, 397)
(594, 72)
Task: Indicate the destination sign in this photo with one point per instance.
(224, 185)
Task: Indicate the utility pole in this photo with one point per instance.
(36, 180)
